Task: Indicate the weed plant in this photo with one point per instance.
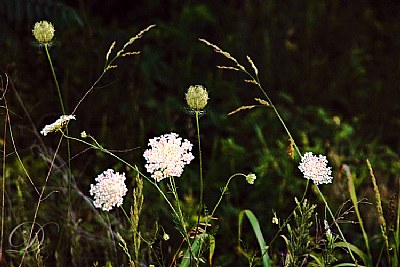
(49, 219)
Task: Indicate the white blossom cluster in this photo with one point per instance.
(315, 168)
(109, 190)
(58, 124)
(167, 156)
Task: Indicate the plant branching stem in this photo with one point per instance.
(336, 223)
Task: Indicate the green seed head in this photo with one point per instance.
(43, 32)
(197, 97)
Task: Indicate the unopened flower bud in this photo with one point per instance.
(197, 97)
(43, 31)
(165, 236)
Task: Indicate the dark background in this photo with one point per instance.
(332, 69)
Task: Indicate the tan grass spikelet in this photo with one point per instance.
(259, 100)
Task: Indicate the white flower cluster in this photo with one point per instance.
(167, 156)
(315, 168)
(58, 124)
(109, 190)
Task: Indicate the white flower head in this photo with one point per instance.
(167, 156)
(315, 168)
(328, 230)
(250, 178)
(109, 190)
(58, 124)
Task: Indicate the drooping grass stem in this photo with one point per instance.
(255, 80)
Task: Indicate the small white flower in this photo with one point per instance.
(58, 124)
(250, 178)
(167, 156)
(165, 236)
(328, 230)
(275, 219)
(109, 190)
(315, 168)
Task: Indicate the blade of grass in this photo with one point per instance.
(353, 197)
(379, 208)
(257, 231)
(353, 248)
(396, 258)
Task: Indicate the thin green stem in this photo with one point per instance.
(200, 162)
(335, 221)
(180, 213)
(55, 79)
(102, 149)
(224, 191)
(257, 81)
(3, 182)
(69, 185)
(126, 215)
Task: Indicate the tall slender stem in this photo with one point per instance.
(200, 161)
(3, 185)
(335, 221)
(180, 213)
(55, 79)
(69, 185)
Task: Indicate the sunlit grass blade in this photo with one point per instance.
(379, 208)
(212, 248)
(353, 197)
(257, 231)
(353, 248)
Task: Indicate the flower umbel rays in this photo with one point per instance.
(109, 190)
(43, 32)
(167, 156)
(315, 168)
(58, 124)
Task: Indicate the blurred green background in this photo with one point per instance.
(332, 68)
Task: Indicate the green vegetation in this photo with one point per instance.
(252, 88)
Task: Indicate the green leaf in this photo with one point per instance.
(257, 231)
(353, 248)
(195, 248)
(212, 248)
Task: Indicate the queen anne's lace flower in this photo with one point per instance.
(57, 125)
(109, 190)
(315, 168)
(167, 156)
